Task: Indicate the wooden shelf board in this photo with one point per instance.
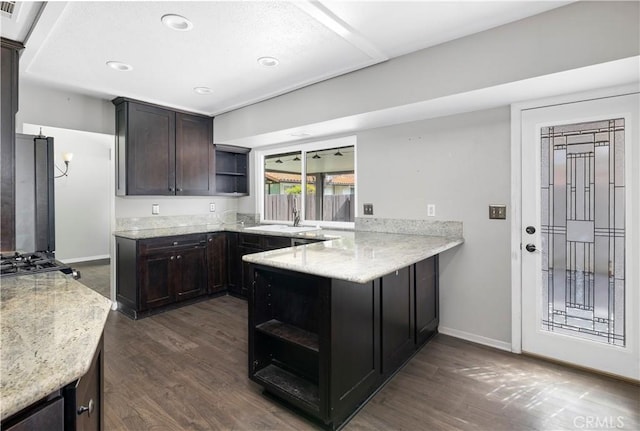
(291, 384)
(290, 333)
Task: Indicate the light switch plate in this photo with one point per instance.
(497, 212)
(431, 210)
(368, 209)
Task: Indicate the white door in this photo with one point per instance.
(580, 233)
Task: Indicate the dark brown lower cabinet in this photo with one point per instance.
(48, 415)
(78, 406)
(84, 399)
(397, 314)
(217, 261)
(301, 325)
(154, 273)
(426, 303)
(324, 345)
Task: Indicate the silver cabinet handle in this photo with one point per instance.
(89, 409)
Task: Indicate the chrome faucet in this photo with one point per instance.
(296, 217)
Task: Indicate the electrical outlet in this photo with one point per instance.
(155, 209)
(498, 212)
(368, 209)
(212, 207)
(431, 210)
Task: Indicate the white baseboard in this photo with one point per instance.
(502, 345)
(85, 259)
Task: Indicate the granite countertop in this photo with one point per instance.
(50, 326)
(322, 234)
(359, 257)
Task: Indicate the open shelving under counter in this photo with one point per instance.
(325, 345)
(290, 333)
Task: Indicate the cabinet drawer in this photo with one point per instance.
(274, 242)
(264, 242)
(148, 246)
(250, 240)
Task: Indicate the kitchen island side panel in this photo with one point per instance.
(355, 345)
(126, 273)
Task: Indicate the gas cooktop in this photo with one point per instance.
(29, 263)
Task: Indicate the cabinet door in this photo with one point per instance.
(247, 274)
(217, 262)
(234, 264)
(195, 155)
(397, 308)
(49, 417)
(426, 286)
(191, 273)
(355, 344)
(150, 150)
(156, 280)
(84, 400)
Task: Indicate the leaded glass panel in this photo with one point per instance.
(583, 231)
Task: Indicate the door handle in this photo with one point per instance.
(531, 248)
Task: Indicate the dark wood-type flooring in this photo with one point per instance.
(186, 370)
(95, 275)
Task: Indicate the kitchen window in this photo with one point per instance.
(317, 181)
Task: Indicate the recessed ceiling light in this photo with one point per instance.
(203, 90)
(268, 61)
(120, 66)
(177, 22)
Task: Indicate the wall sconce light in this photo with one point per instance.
(66, 157)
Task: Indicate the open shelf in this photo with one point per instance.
(231, 170)
(290, 385)
(290, 333)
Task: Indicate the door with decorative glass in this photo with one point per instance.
(580, 233)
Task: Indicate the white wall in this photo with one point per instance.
(83, 211)
(140, 206)
(39, 104)
(460, 164)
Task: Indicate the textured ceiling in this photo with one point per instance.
(314, 41)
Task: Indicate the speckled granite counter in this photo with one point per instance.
(359, 256)
(209, 228)
(50, 326)
(346, 255)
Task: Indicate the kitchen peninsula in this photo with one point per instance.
(50, 367)
(331, 322)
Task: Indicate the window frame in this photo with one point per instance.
(304, 148)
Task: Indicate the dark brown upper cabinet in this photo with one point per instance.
(160, 151)
(8, 108)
